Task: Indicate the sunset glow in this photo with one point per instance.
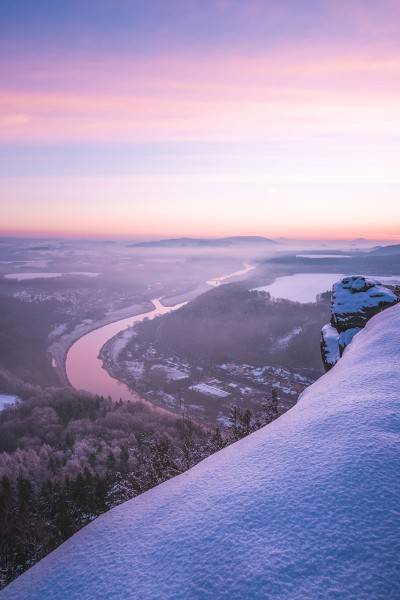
(131, 119)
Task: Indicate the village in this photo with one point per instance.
(208, 392)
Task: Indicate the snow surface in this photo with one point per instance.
(24, 276)
(330, 337)
(306, 508)
(346, 337)
(7, 400)
(284, 341)
(354, 294)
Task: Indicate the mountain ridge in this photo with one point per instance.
(188, 242)
(385, 250)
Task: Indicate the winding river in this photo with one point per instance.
(85, 370)
(84, 367)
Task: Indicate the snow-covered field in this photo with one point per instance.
(25, 276)
(7, 400)
(306, 508)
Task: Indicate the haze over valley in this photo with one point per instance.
(226, 339)
(199, 300)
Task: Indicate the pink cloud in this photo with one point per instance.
(191, 97)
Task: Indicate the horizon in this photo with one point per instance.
(103, 237)
(200, 119)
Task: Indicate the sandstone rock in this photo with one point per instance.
(329, 346)
(355, 300)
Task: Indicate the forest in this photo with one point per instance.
(24, 330)
(66, 457)
(234, 324)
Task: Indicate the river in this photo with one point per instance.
(85, 369)
(216, 281)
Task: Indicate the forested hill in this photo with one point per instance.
(226, 242)
(24, 330)
(231, 323)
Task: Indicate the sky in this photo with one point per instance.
(200, 117)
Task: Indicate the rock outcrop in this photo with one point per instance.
(355, 300)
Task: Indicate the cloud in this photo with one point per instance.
(188, 97)
(13, 120)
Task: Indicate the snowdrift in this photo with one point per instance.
(306, 508)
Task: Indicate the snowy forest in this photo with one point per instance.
(233, 323)
(67, 457)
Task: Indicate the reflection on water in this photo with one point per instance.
(84, 368)
(218, 280)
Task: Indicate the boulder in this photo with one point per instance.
(355, 300)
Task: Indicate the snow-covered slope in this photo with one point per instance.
(306, 508)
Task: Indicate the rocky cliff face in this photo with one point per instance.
(355, 300)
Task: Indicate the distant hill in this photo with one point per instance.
(206, 242)
(385, 250)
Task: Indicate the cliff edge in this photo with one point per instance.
(305, 508)
(355, 300)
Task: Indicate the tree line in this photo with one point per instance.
(67, 457)
(233, 324)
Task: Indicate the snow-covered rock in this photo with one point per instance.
(354, 301)
(329, 346)
(306, 508)
(346, 337)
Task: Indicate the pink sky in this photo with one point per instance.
(308, 108)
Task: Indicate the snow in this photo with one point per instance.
(208, 390)
(57, 331)
(283, 342)
(331, 340)
(7, 400)
(354, 294)
(346, 337)
(24, 276)
(306, 508)
(172, 373)
(135, 367)
(355, 299)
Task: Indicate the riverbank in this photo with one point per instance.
(85, 369)
(78, 355)
(202, 288)
(59, 349)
